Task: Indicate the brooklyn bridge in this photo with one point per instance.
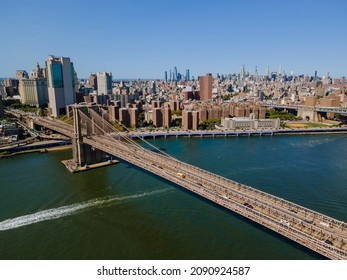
(94, 139)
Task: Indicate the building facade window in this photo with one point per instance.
(57, 76)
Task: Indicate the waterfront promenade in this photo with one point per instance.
(224, 133)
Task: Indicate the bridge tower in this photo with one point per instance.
(86, 125)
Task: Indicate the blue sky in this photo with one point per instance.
(142, 39)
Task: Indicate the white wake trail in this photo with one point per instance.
(67, 210)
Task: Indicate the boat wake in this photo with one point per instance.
(68, 210)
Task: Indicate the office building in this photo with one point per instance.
(242, 73)
(153, 87)
(93, 81)
(33, 89)
(77, 85)
(11, 83)
(165, 76)
(206, 87)
(104, 81)
(187, 75)
(1, 108)
(60, 83)
(11, 87)
(179, 77)
(20, 74)
(315, 76)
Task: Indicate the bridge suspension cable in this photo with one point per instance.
(124, 136)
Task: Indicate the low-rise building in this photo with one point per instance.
(249, 123)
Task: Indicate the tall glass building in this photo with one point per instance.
(60, 83)
(187, 75)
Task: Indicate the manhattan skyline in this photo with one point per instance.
(142, 39)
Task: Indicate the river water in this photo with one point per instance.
(122, 212)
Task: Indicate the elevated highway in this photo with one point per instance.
(335, 110)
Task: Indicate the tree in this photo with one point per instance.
(118, 126)
(176, 112)
(141, 118)
(282, 115)
(41, 112)
(176, 123)
(209, 124)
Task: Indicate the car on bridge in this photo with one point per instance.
(285, 222)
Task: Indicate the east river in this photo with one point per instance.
(122, 212)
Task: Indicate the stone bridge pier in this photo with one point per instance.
(309, 114)
(85, 157)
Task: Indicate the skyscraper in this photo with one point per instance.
(60, 83)
(187, 75)
(165, 76)
(256, 75)
(206, 87)
(104, 83)
(175, 74)
(242, 73)
(153, 87)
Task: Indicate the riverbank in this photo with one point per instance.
(36, 147)
(40, 151)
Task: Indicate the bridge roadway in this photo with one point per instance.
(318, 232)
